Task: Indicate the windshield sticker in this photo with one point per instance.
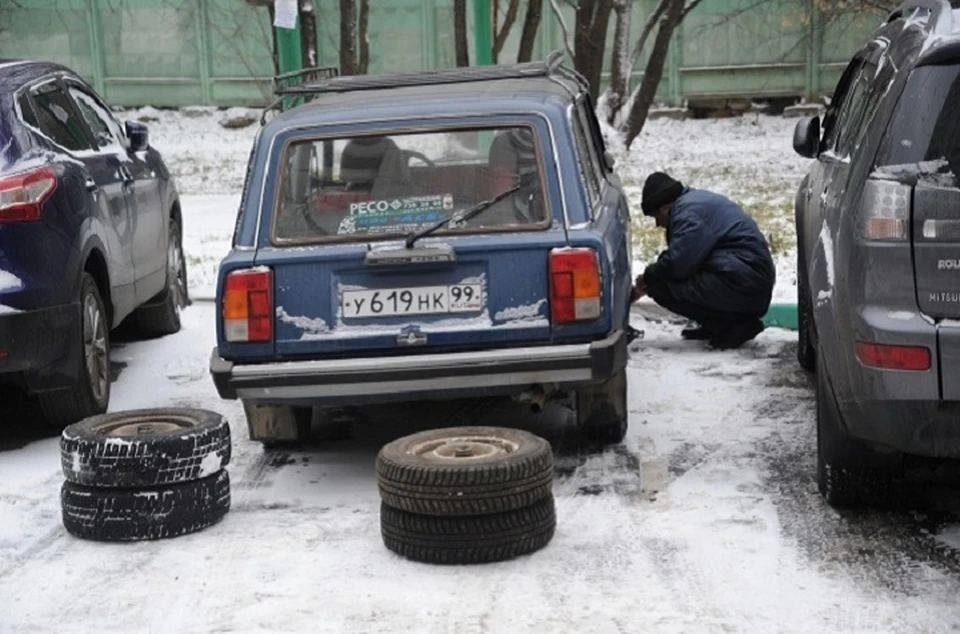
(395, 215)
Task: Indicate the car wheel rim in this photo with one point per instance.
(464, 448)
(175, 272)
(95, 347)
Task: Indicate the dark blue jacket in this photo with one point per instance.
(710, 233)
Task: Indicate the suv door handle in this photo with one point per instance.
(91, 184)
(125, 174)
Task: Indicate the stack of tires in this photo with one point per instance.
(145, 474)
(466, 495)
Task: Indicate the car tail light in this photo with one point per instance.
(886, 357)
(248, 305)
(885, 212)
(22, 195)
(574, 285)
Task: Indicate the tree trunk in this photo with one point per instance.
(654, 71)
(619, 60)
(531, 25)
(500, 37)
(364, 38)
(308, 33)
(460, 32)
(348, 37)
(590, 34)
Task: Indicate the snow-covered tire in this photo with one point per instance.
(465, 471)
(145, 448)
(471, 539)
(121, 515)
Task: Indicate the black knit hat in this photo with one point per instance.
(659, 190)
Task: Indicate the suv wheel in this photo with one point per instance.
(806, 352)
(602, 410)
(849, 474)
(91, 393)
(163, 317)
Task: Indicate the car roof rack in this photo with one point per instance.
(940, 21)
(351, 83)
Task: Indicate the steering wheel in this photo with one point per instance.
(418, 155)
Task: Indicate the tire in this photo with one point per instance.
(602, 413)
(162, 316)
(121, 515)
(806, 351)
(145, 448)
(500, 470)
(848, 475)
(472, 539)
(90, 395)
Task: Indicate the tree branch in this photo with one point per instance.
(563, 28)
(500, 38)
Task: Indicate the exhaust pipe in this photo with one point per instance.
(536, 396)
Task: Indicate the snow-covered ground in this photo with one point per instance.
(706, 519)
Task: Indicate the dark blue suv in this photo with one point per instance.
(429, 236)
(89, 235)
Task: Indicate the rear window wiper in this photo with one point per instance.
(471, 212)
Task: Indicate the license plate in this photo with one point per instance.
(418, 300)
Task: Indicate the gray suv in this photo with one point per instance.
(878, 270)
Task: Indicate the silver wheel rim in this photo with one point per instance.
(175, 272)
(464, 448)
(95, 347)
(133, 426)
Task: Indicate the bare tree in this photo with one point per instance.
(363, 37)
(348, 37)
(308, 33)
(590, 39)
(501, 35)
(531, 24)
(460, 32)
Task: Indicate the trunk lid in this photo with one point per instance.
(346, 282)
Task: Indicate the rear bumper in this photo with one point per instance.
(928, 429)
(418, 377)
(40, 346)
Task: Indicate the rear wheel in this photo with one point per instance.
(163, 317)
(849, 473)
(602, 410)
(90, 395)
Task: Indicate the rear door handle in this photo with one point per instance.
(125, 174)
(91, 184)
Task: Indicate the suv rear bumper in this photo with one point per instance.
(418, 377)
(41, 347)
(928, 429)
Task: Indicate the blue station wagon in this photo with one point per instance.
(436, 235)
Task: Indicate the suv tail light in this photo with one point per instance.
(248, 305)
(574, 285)
(22, 195)
(886, 357)
(885, 212)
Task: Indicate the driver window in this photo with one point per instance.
(105, 128)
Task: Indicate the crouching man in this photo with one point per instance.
(717, 269)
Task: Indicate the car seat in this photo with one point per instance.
(514, 152)
(362, 159)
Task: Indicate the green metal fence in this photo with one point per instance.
(180, 52)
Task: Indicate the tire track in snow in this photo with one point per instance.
(897, 553)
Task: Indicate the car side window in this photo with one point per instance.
(58, 119)
(26, 111)
(831, 123)
(587, 172)
(853, 117)
(592, 127)
(105, 128)
(593, 151)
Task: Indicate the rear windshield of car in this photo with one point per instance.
(924, 136)
(381, 187)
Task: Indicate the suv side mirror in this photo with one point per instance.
(137, 133)
(806, 137)
(608, 160)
